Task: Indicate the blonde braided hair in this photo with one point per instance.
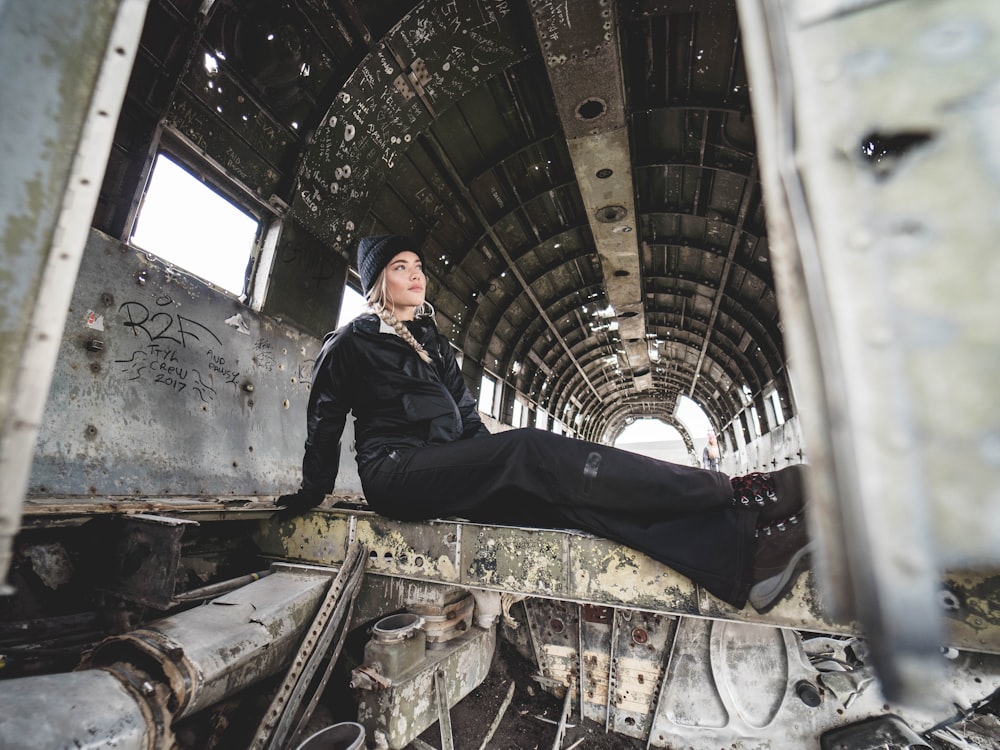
(376, 299)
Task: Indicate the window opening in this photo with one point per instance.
(774, 399)
(188, 224)
(352, 304)
(541, 419)
(487, 390)
(692, 416)
(517, 416)
(654, 438)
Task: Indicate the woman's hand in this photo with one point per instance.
(299, 502)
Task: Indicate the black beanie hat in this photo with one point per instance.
(374, 254)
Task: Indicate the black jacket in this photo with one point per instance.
(398, 400)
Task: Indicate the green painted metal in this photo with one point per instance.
(573, 566)
(398, 713)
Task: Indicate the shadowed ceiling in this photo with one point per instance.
(582, 177)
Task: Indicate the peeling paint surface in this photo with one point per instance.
(577, 567)
(409, 706)
(210, 652)
(692, 682)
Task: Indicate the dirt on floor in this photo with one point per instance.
(530, 721)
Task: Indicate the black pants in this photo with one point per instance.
(680, 515)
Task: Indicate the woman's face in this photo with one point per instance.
(405, 284)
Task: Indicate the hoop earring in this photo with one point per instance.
(425, 310)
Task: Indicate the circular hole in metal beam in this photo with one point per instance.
(611, 214)
(620, 272)
(591, 108)
(628, 314)
(603, 174)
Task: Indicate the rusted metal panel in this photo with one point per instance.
(210, 652)
(596, 624)
(611, 573)
(398, 713)
(529, 560)
(199, 125)
(166, 386)
(571, 565)
(971, 603)
(555, 637)
(867, 115)
(383, 594)
(425, 66)
(143, 558)
(640, 650)
(418, 550)
(321, 538)
(66, 67)
(749, 686)
(579, 42)
(698, 682)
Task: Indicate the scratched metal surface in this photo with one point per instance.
(165, 386)
(572, 566)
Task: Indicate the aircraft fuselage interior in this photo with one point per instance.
(776, 215)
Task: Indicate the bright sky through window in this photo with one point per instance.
(188, 224)
(352, 304)
(652, 430)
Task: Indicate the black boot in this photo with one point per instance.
(782, 553)
(777, 495)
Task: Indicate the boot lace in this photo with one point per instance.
(754, 489)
